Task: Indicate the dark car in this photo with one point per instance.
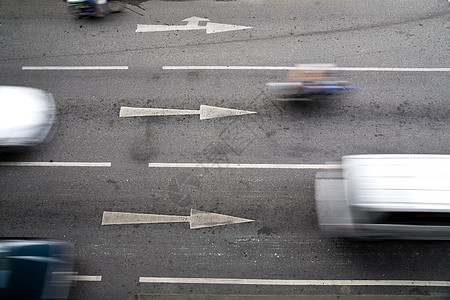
(35, 269)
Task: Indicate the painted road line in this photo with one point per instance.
(237, 281)
(225, 68)
(205, 112)
(141, 296)
(65, 68)
(244, 166)
(193, 24)
(353, 69)
(84, 278)
(197, 219)
(55, 164)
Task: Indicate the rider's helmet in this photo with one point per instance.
(310, 72)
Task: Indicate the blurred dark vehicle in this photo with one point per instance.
(84, 8)
(386, 196)
(35, 269)
(308, 82)
(26, 116)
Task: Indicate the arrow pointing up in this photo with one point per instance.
(205, 112)
(193, 21)
(197, 219)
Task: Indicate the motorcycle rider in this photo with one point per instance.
(93, 8)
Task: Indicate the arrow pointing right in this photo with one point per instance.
(205, 112)
(197, 219)
(217, 27)
(192, 24)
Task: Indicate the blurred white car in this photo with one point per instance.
(26, 116)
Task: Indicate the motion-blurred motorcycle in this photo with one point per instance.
(308, 82)
(86, 8)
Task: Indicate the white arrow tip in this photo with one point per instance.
(217, 27)
(211, 112)
(201, 219)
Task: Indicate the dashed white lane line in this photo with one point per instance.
(65, 68)
(244, 166)
(237, 281)
(55, 164)
(85, 278)
(274, 68)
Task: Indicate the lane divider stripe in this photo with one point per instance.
(359, 69)
(85, 278)
(293, 282)
(55, 164)
(244, 166)
(64, 68)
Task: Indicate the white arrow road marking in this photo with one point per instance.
(193, 24)
(355, 69)
(241, 281)
(244, 166)
(197, 219)
(211, 112)
(217, 27)
(158, 28)
(194, 21)
(205, 112)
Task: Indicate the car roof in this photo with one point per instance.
(395, 183)
(21, 106)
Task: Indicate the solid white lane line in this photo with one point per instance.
(225, 68)
(243, 166)
(64, 68)
(293, 282)
(362, 69)
(55, 164)
(357, 69)
(85, 278)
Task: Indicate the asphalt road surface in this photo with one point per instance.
(98, 161)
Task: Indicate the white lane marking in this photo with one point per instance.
(243, 166)
(55, 164)
(123, 218)
(359, 69)
(64, 68)
(241, 281)
(84, 278)
(197, 219)
(205, 112)
(193, 24)
(126, 112)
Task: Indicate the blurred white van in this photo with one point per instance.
(386, 196)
